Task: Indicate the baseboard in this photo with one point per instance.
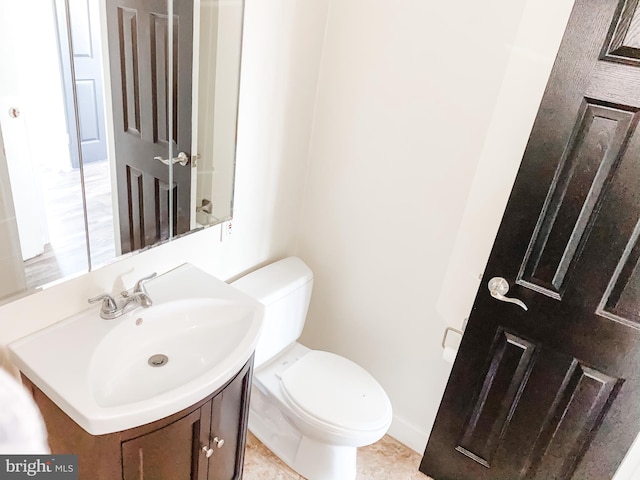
(408, 434)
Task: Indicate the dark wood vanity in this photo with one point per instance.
(203, 442)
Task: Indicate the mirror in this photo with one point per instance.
(117, 129)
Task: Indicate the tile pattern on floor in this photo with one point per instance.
(386, 459)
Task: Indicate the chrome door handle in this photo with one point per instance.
(182, 159)
(498, 287)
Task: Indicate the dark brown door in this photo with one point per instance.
(553, 392)
(141, 72)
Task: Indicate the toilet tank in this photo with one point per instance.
(284, 287)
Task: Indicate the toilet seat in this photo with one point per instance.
(335, 393)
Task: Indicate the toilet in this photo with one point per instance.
(311, 408)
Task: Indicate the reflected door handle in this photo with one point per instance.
(182, 159)
(498, 287)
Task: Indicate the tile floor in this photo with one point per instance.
(387, 459)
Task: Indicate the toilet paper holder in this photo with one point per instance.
(446, 333)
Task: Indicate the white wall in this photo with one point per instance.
(405, 103)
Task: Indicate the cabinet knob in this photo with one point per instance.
(219, 442)
(207, 451)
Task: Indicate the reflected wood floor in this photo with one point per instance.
(66, 252)
(386, 459)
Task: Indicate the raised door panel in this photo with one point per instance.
(623, 44)
(573, 201)
(510, 363)
(535, 413)
(130, 102)
(87, 72)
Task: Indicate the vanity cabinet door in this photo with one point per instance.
(229, 416)
(172, 452)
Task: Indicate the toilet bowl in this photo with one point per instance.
(311, 408)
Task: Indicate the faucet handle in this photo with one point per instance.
(139, 287)
(108, 303)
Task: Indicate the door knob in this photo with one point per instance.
(182, 159)
(207, 451)
(219, 442)
(498, 287)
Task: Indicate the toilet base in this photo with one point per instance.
(310, 458)
(318, 461)
(313, 452)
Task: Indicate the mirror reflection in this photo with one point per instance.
(117, 126)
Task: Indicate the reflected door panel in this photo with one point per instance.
(146, 125)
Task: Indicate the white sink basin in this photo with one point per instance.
(111, 375)
(192, 336)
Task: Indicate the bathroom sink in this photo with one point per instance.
(111, 375)
(155, 350)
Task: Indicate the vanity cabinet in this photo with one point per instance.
(203, 442)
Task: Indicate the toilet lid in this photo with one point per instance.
(336, 391)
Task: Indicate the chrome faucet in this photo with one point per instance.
(138, 297)
(139, 291)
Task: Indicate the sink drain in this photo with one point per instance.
(158, 360)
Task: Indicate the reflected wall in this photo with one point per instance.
(47, 81)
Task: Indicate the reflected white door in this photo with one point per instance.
(27, 197)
